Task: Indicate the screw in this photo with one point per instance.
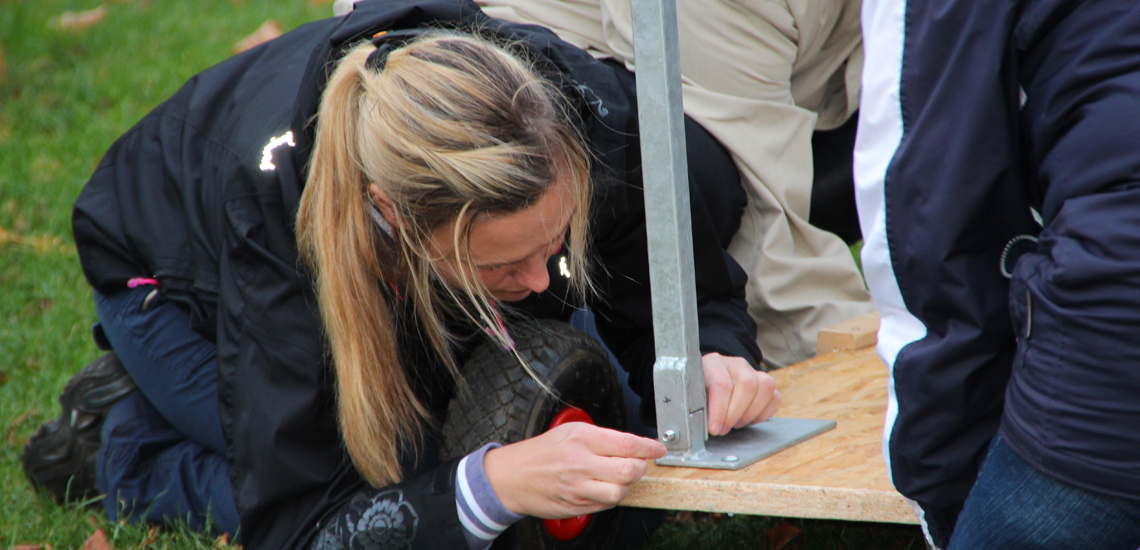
(730, 458)
(668, 435)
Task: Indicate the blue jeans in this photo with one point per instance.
(1013, 507)
(162, 456)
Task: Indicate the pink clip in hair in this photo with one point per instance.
(510, 342)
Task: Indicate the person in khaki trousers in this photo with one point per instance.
(761, 76)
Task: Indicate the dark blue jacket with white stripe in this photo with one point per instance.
(976, 116)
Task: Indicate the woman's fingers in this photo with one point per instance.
(605, 442)
(746, 392)
(616, 471)
(718, 388)
(595, 496)
(738, 395)
(570, 470)
(770, 409)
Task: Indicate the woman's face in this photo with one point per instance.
(510, 251)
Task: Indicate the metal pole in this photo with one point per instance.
(678, 379)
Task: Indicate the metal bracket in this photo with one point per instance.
(744, 446)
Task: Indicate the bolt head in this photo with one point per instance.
(668, 435)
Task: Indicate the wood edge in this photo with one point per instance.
(849, 335)
(767, 499)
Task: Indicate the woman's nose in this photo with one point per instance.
(533, 274)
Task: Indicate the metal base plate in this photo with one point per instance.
(744, 446)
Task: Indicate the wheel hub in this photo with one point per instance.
(569, 528)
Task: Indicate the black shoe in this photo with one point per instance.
(60, 458)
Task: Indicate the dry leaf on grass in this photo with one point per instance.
(31, 547)
(97, 541)
(19, 420)
(39, 244)
(78, 20)
(780, 535)
(223, 541)
(266, 32)
(151, 536)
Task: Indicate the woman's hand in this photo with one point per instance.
(738, 394)
(573, 469)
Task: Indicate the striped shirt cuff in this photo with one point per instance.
(480, 511)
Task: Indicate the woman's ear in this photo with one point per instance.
(380, 198)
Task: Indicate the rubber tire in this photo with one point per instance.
(506, 405)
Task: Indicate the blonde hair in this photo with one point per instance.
(452, 127)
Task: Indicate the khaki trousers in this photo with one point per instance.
(760, 76)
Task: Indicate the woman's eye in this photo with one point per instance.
(491, 268)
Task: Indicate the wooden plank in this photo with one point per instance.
(850, 335)
(837, 475)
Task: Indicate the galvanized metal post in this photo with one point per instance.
(678, 376)
(678, 379)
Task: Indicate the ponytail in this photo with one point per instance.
(376, 407)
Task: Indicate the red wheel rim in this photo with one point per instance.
(568, 529)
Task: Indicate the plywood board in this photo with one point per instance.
(837, 475)
(850, 335)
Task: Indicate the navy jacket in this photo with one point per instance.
(183, 197)
(977, 118)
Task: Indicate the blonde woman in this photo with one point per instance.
(294, 254)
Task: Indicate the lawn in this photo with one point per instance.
(65, 95)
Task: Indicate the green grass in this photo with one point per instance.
(64, 98)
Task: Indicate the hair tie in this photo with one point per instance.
(377, 59)
(385, 42)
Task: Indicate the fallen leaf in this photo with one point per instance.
(223, 541)
(97, 541)
(38, 244)
(37, 307)
(78, 20)
(266, 32)
(11, 434)
(28, 547)
(151, 536)
(93, 521)
(780, 535)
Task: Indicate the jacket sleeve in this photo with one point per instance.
(940, 195)
(288, 467)
(415, 514)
